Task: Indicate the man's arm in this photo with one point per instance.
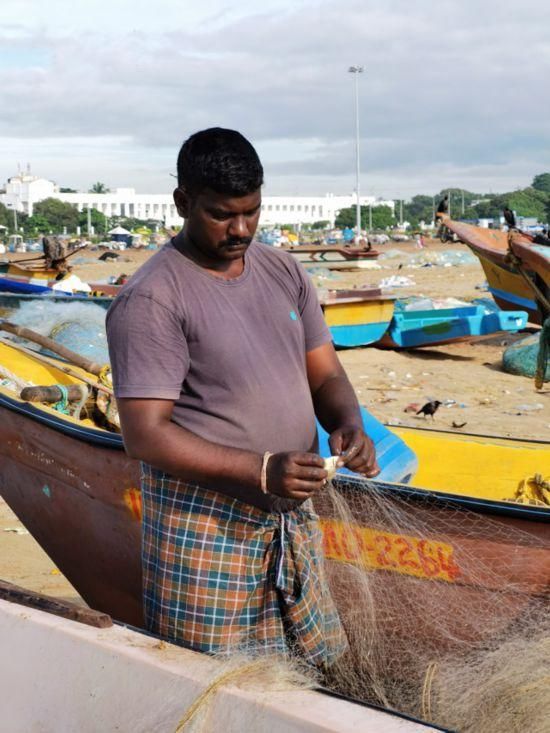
(337, 410)
(151, 436)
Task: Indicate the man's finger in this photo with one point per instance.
(308, 459)
(372, 472)
(306, 487)
(349, 455)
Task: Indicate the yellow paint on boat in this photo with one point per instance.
(501, 279)
(28, 273)
(380, 550)
(479, 466)
(25, 367)
(358, 312)
(37, 373)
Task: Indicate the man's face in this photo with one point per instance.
(220, 226)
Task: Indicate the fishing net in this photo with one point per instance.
(79, 326)
(445, 610)
(261, 673)
(523, 357)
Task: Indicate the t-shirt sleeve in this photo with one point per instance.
(147, 347)
(316, 330)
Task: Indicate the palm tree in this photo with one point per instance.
(99, 187)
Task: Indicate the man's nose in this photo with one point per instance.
(238, 226)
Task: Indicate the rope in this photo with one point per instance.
(7, 376)
(534, 490)
(104, 375)
(251, 669)
(544, 354)
(427, 691)
(84, 394)
(515, 261)
(63, 404)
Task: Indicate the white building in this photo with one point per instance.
(24, 190)
(309, 209)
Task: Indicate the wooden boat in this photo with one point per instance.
(39, 282)
(414, 329)
(78, 494)
(356, 317)
(109, 677)
(496, 251)
(333, 257)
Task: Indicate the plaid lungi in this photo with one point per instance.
(220, 575)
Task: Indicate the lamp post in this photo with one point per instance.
(356, 70)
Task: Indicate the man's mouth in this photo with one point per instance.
(234, 243)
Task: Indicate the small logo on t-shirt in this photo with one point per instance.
(293, 316)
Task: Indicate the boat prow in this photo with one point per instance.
(510, 279)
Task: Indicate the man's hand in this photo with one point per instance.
(295, 475)
(356, 450)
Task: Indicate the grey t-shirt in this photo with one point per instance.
(230, 353)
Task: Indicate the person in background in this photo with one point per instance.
(221, 362)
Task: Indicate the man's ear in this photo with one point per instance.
(182, 201)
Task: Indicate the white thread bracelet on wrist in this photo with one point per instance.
(263, 473)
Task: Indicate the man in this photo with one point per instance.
(221, 359)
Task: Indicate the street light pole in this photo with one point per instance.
(356, 70)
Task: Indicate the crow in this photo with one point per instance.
(509, 217)
(429, 408)
(443, 207)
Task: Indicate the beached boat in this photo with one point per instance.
(109, 677)
(418, 328)
(333, 257)
(356, 317)
(501, 255)
(39, 282)
(77, 492)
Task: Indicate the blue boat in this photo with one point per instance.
(9, 285)
(415, 329)
(398, 463)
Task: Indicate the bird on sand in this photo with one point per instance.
(509, 217)
(443, 207)
(429, 408)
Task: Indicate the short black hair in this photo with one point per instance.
(219, 159)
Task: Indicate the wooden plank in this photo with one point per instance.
(64, 609)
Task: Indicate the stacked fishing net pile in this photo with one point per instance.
(446, 611)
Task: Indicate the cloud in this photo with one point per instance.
(458, 87)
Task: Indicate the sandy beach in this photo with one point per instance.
(466, 376)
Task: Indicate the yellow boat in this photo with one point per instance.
(77, 492)
(357, 317)
(480, 466)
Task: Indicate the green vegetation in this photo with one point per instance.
(99, 221)
(542, 182)
(381, 217)
(6, 217)
(55, 214)
(533, 201)
(99, 187)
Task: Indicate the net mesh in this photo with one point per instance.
(445, 610)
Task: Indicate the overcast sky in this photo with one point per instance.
(454, 93)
